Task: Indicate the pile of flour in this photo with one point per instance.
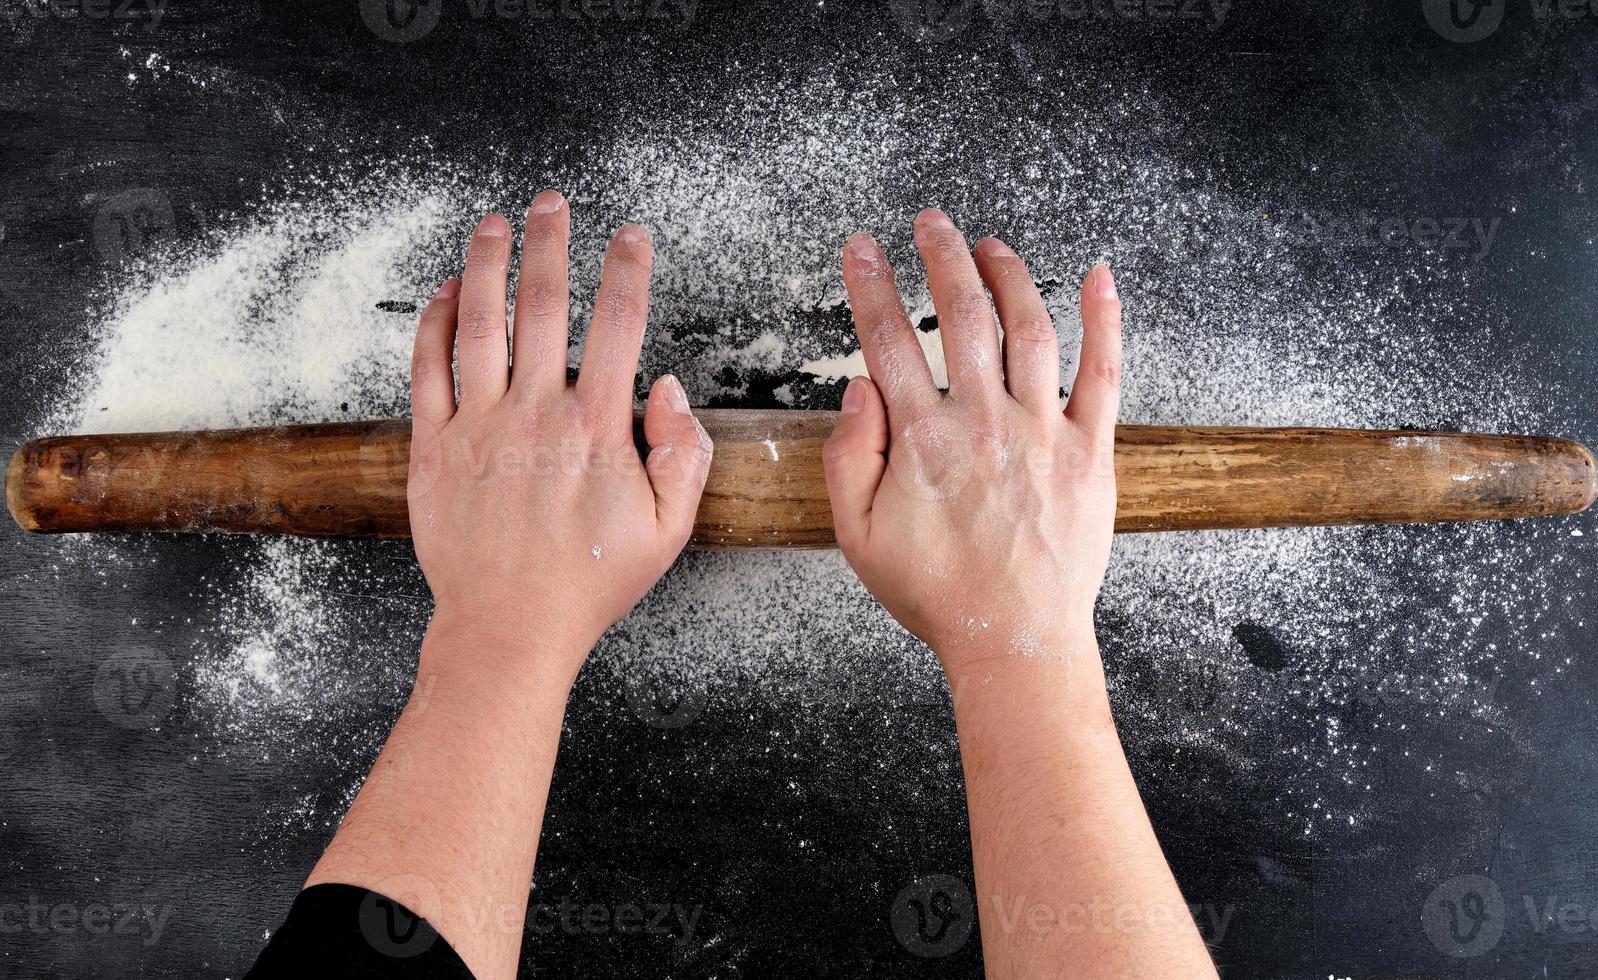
(298, 313)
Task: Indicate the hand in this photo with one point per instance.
(981, 519)
(535, 521)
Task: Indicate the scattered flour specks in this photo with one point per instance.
(1313, 637)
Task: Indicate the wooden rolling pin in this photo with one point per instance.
(766, 487)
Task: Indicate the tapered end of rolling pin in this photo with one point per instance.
(14, 476)
(1587, 491)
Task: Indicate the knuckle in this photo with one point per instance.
(836, 451)
(425, 369)
(946, 244)
(620, 305)
(700, 449)
(597, 422)
(540, 235)
(531, 417)
(969, 302)
(543, 299)
(1031, 328)
(481, 324)
(1107, 370)
(883, 326)
(848, 533)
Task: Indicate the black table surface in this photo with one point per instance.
(1392, 105)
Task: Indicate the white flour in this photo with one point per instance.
(277, 320)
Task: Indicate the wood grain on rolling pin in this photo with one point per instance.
(766, 487)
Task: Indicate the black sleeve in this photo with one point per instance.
(342, 930)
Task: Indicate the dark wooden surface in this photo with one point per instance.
(1364, 101)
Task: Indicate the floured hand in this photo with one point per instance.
(535, 521)
(980, 518)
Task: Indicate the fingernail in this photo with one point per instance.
(863, 246)
(631, 234)
(547, 202)
(854, 397)
(493, 226)
(449, 290)
(676, 397)
(1103, 282)
(994, 248)
(933, 218)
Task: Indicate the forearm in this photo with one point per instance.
(1068, 870)
(448, 821)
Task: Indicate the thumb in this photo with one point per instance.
(679, 457)
(855, 462)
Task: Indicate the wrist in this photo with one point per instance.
(1057, 669)
(1061, 642)
(465, 647)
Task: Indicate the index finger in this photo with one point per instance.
(893, 355)
(1096, 393)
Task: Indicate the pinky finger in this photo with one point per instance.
(432, 380)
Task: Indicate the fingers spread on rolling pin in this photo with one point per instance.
(483, 350)
(970, 335)
(1031, 347)
(854, 460)
(538, 342)
(432, 380)
(621, 313)
(893, 355)
(1096, 393)
(679, 458)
